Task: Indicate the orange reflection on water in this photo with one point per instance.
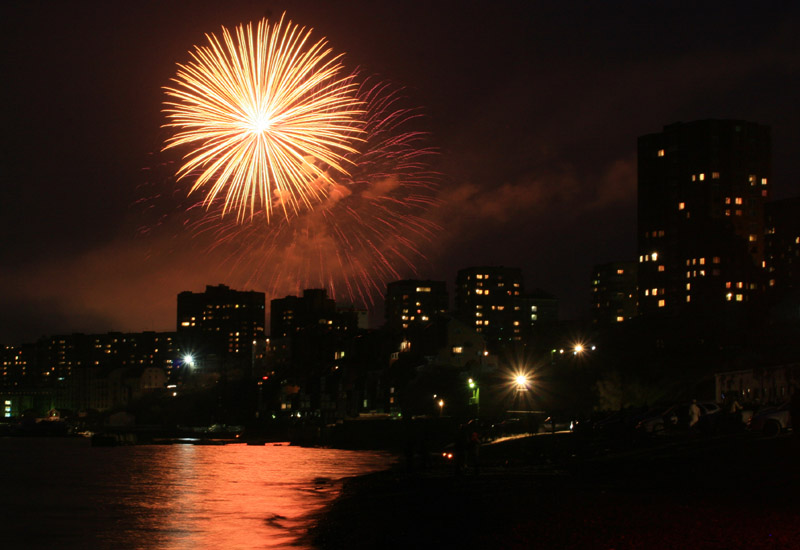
(239, 496)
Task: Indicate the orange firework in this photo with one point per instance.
(366, 232)
(269, 116)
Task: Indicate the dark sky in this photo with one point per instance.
(535, 108)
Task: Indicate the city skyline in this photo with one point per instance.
(535, 112)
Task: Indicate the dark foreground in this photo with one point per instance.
(556, 491)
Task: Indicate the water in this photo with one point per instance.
(63, 493)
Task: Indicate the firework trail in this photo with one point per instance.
(269, 117)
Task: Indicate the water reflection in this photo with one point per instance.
(174, 497)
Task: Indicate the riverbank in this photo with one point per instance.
(724, 492)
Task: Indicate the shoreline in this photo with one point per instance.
(732, 492)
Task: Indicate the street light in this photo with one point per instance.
(476, 395)
(441, 407)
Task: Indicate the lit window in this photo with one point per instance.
(739, 297)
(729, 296)
(694, 178)
(620, 271)
(655, 292)
(647, 292)
(688, 298)
(423, 289)
(764, 193)
(738, 200)
(738, 212)
(688, 286)
(479, 291)
(620, 319)
(661, 268)
(681, 205)
(763, 181)
(752, 179)
(702, 177)
(727, 212)
(715, 175)
(661, 303)
(753, 238)
(479, 276)
(661, 152)
(458, 350)
(654, 256)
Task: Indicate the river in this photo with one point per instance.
(61, 493)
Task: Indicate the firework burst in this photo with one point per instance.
(270, 116)
(366, 232)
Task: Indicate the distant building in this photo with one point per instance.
(541, 307)
(294, 314)
(221, 321)
(701, 191)
(89, 371)
(316, 347)
(614, 292)
(490, 299)
(414, 302)
(782, 242)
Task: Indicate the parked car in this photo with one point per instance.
(772, 420)
(676, 418)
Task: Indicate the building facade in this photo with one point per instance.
(490, 299)
(782, 246)
(702, 187)
(220, 321)
(614, 293)
(414, 302)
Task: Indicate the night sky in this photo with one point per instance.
(534, 107)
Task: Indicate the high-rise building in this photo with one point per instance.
(220, 321)
(782, 246)
(294, 314)
(701, 191)
(541, 307)
(490, 299)
(614, 292)
(414, 302)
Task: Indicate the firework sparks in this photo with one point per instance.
(366, 232)
(269, 117)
